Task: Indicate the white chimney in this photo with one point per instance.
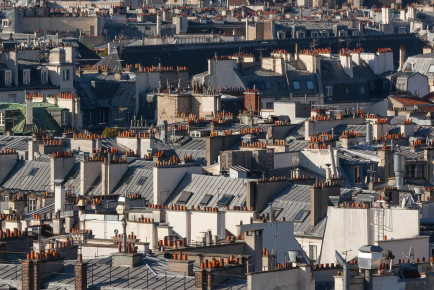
(347, 64)
(59, 195)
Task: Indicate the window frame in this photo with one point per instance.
(8, 80)
(310, 82)
(294, 86)
(26, 76)
(32, 204)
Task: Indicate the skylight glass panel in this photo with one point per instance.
(300, 216)
(184, 197)
(225, 200)
(33, 171)
(205, 200)
(141, 180)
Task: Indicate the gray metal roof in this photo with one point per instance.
(151, 273)
(19, 177)
(19, 143)
(216, 186)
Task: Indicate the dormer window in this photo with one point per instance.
(26, 76)
(66, 74)
(44, 76)
(8, 77)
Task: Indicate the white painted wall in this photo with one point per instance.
(167, 178)
(285, 240)
(348, 229)
(180, 222)
(207, 221)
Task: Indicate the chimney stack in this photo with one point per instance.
(402, 57)
(59, 195)
(80, 273)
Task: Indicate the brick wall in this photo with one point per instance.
(80, 273)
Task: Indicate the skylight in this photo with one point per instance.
(205, 200)
(184, 197)
(142, 180)
(33, 171)
(225, 200)
(301, 216)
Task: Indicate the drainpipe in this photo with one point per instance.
(346, 268)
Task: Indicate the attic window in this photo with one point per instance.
(33, 171)
(128, 179)
(296, 85)
(431, 68)
(309, 85)
(276, 212)
(301, 216)
(141, 180)
(225, 200)
(205, 200)
(184, 197)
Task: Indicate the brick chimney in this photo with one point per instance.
(385, 166)
(80, 274)
(31, 275)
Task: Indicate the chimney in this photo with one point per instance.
(89, 171)
(347, 64)
(80, 274)
(380, 128)
(368, 133)
(428, 157)
(320, 200)
(29, 112)
(407, 128)
(253, 240)
(59, 195)
(398, 167)
(8, 160)
(402, 57)
(60, 167)
(112, 173)
(385, 164)
(31, 275)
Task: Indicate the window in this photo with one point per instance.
(347, 91)
(66, 74)
(314, 34)
(8, 77)
(205, 200)
(225, 200)
(26, 76)
(329, 91)
(362, 89)
(5, 198)
(313, 252)
(267, 85)
(65, 118)
(296, 85)
(431, 68)
(32, 204)
(33, 171)
(5, 22)
(44, 75)
(301, 216)
(309, 85)
(142, 180)
(276, 212)
(2, 119)
(184, 197)
(282, 84)
(357, 174)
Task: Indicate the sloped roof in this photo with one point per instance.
(410, 101)
(216, 186)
